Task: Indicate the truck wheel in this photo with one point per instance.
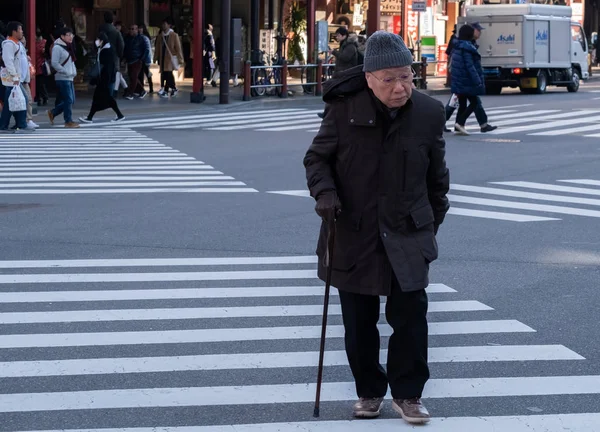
(574, 86)
(542, 83)
(493, 89)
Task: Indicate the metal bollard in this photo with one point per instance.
(319, 79)
(423, 73)
(247, 80)
(284, 83)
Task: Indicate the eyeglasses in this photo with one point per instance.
(405, 79)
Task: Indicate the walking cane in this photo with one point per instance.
(329, 265)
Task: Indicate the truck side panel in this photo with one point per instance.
(541, 35)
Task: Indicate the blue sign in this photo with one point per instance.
(506, 40)
(541, 38)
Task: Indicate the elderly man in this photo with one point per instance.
(377, 168)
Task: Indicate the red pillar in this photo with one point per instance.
(31, 26)
(197, 95)
(373, 16)
(310, 30)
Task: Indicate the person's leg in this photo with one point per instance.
(69, 100)
(6, 114)
(115, 107)
(27, 91)
(360, 314)
(406, 313)
(461, 119)
(482, 117)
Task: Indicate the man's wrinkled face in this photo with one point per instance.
(393, 87)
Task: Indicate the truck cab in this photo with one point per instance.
(530, 46)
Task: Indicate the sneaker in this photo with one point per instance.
(161, 92)
(412, 410)
(368, 407)
(460, 130)
(51, 117)
(32, 125)
(174, 92)
(488, 128)
(321, 115)
(129, 97)
(118, 119)
(143, 94)
(71, 125)
(85, 120)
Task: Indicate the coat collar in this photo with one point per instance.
(365, 109)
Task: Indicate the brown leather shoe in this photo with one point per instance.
(368, 407)
(72, 125)
(412, 410)
(51, 117)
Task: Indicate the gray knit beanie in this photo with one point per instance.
(386, 50)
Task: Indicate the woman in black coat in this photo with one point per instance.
(103, 76)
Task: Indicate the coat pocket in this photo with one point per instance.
(422, 219)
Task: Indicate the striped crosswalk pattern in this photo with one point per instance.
(519, 201)
(510, 119)
(103, 161)
(152, 350)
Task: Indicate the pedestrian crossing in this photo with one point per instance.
(522, 201)
(510, 119)
(103, 161)
(219, 344)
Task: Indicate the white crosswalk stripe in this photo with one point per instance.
(93, 161)
(480, 201)
(510, 119)
(224, 342)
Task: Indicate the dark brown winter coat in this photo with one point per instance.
(391, 178)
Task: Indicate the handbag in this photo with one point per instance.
(16, 100)
(174, 59)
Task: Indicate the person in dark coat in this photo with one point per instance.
(115, 38)
(377, 169)
(104, 79)
(346, 56)
(467, 76)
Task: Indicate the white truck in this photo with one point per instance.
(530, 46)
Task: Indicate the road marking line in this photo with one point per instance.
(550, 187)
(103, 191)
(54, 340)
(172, 314)
(513, 217)
(585, 422)
(289, 393)
(524, 206)
(527, 195)
(170, 293)
(270, 360)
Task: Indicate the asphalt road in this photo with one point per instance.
(230, 335)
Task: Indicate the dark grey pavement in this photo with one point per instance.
(227, 332)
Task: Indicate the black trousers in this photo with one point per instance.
(169, 80)
(464, 111)
(407, 369)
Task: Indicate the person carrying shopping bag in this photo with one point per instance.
(169, 56)
(10, 73)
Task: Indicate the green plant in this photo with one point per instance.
(296, 24)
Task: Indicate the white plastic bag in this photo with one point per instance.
(16, 100)
(453, 102)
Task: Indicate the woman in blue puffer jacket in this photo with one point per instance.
(467, 76)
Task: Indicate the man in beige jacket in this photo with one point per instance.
(169, 56)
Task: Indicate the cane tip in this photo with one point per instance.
(316, 412)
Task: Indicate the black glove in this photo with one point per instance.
(328, 205)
